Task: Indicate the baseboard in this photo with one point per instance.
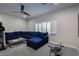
(64, 45)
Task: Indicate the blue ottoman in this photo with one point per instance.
(36, 42)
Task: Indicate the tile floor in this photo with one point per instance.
(23, 50)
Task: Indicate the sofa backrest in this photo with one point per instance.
(14, 35)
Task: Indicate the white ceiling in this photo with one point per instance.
(34, 9)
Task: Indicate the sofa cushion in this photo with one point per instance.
(35, 39)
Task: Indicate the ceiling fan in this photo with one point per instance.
(22, 10)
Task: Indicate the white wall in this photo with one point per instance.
(78, 19)
(67, 31)
(12, 23)
(67, 25)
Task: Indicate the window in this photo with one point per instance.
(36, 27)
(40, 27)
(48, 27)
(43, 27)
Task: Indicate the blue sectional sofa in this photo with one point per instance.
(34, 40)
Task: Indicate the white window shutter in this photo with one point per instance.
(54, 27)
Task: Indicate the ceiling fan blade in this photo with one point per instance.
(22, 7)
(21, 10)
(26, 13)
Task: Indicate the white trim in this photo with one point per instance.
(64, 45)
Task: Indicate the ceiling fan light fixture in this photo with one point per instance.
(24, 16)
